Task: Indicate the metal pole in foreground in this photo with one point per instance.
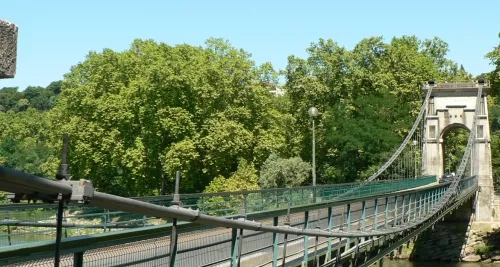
(63, 174)
(285, 240)
(172, 260)
(60, 210)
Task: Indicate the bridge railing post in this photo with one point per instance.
(306, 239)
(172, 259)
(403, 210)
(275, 243)
(424, 199)
(375, 214)
(410, 197)
(348, 223)
(285, 238)
(7, 217)
(78, 259)
(277, 199)
(363, 217)
(104, 224)
(419, 206)
(395, 218)
(434, 191)
(329, 249)
(386, 219)
(236, 258)
(316, 241)
(428, 201)
(234, 247)
(431, 199)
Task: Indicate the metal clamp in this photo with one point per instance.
(83, 190)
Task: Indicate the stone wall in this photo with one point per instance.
(483, 243)
(446, 240)
(443, 243)
(457, 238)
(8, 49)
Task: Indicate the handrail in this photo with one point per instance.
(198, 195)
(100, 240)
(124, 204)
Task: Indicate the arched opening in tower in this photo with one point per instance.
(454, 145)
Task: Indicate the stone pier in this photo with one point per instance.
(451, 106)
(447, 239)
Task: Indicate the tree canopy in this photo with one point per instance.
(137, 116)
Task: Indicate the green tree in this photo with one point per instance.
(454, 148)
(138, 116)
(244, 179)
(54, 87)
(39, 97)
(278, 172)
(24, 142)
(375, 83)
(9, 97)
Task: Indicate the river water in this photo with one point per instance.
(404, 263)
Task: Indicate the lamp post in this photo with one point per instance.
(415, 153)
(313, 112)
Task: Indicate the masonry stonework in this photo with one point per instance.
(8, 49)
(453, 106)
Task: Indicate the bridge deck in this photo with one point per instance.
(206, 246)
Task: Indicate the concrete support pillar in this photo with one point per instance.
(433, 161)
(8, 49)
(482, 168)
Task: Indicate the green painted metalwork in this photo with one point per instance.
(306, 238)
(386, 211)
(330, 222)
(419, 205)
(227, 204)
(275, 243)
(348, 222)
(77, 245)
(363, 217)
(430, 200)
(395, 218)
(410, 198)
(434, 199)
(173, 245)
(424, 198)
(234, 247)
(375, 219)
(78, 259)
(403, 210)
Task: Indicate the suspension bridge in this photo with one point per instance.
(329, 225)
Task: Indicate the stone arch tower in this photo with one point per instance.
(451, 106)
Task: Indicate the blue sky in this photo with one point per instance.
(55, 34)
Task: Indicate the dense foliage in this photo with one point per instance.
(138, 116)
(26, 129)
(369, 97)
(277, 172)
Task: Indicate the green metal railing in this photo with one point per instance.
(255, 201)
(203, 245)
(25, 223)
